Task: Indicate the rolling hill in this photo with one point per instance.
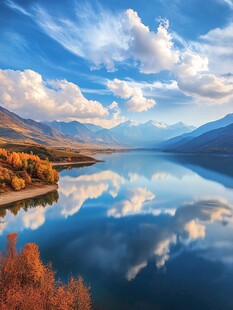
(181, 140)
(13, 127)
(71, 134)
(75, 129)
(96, 135)
(217, 141)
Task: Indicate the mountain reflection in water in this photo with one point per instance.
(147, 230)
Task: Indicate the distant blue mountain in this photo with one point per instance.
(87, 133)
(92, 127)
(215, 137)
(129, 133)
(147, 134)
(180, 142)
(75, 129)
(14, 127)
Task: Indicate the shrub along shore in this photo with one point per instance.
(24, 172)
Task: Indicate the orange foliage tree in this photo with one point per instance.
(17, 183)
(3, 153)
(26, 283)
(20, 168)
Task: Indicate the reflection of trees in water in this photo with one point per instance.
(70, 167)
(41, 201)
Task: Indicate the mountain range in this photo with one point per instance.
(89, 133)
(17, 128)
(147, 134)
(128, 134)
(74, 134)
(213, 137)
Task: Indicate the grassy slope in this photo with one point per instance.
(53, 154)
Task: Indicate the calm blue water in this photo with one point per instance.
(146, 230)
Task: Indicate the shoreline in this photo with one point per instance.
(14, 196)
(73, 163)
(10, 197)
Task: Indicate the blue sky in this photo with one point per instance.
(108, 61)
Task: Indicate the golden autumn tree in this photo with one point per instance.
(17, 183)
(19, 169)
(26, 283)
(3, 153)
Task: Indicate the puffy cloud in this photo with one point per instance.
(121, 88)
(194, 80)
(154, 50)
(134, 203)
(191, 64)
(207, 88)
(192, 73)
(116, 117)
(137, 102)
(106, 38)
(217, 45)
(20, 90)
(202, 71)
(26, 92)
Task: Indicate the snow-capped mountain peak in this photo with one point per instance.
(156, 124)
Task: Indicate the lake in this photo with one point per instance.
(146, 230)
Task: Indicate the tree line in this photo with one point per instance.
(19, 169)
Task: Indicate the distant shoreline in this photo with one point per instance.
(72, 163)
(11, 197)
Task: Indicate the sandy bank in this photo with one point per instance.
(26, 193)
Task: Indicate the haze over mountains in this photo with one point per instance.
(213, 137)
(147, 134)
(128, 133)
(17, 128)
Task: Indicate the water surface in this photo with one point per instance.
(146, 230)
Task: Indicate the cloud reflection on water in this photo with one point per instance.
(145, 214)
(125, 247)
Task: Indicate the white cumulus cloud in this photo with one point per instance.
(136, 101)
(27, 93)
(217, 45)
(107, 39)
(104, 38)
(194, 79)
